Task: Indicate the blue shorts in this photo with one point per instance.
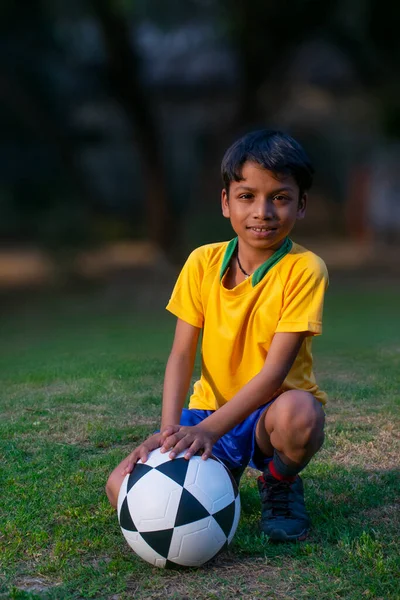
(238, 448)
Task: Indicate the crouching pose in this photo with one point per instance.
(257, 302)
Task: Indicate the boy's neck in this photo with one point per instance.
(252, 258)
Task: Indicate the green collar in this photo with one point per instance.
(262, 269)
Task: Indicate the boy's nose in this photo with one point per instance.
(264, 210)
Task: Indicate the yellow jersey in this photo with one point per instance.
(285, 294)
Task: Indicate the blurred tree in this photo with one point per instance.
(42, 93)
(266, 34)
(123, 64)
(36, 123)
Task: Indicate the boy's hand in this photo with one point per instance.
(142, 452)
(193, 438)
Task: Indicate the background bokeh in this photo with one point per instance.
(115, 115)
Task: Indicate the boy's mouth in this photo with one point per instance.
(263, 232)
(262, 229)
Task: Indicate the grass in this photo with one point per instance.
(81, 385)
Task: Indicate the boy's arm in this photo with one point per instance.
(178, 373)
(257, 391)
(281, 355)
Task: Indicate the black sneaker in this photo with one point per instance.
(283, 515)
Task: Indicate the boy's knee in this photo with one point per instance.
(112, 490)
(299, 416)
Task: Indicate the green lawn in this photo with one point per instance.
(81, 385)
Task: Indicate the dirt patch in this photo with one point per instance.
(380, 453)
(388, 514)
(226, 578)
(34, 584)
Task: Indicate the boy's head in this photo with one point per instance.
(273, 150)
(266, 176)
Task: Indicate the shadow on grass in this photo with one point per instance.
(343, 502)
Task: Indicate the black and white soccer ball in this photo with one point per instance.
(178, 512)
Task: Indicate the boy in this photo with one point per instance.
(258, 302)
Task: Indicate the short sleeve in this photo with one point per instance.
(185, 302)
(303, 298)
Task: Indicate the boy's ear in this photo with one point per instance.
(301, 209)
(225, 204)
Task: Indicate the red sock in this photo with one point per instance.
(277, 475)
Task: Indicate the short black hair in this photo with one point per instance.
(274, 150)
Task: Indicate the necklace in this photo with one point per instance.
(247, 275)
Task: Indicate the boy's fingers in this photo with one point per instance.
(166, 445)
(206, 454)
(207, 450)
(144, 455)
(180, 446)
(193, 449)
(132, 460)
(170, 430)
(171, 441)
(128, 467)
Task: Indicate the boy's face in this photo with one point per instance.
(263, 209)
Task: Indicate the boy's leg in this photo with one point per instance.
(113, 485)
(290, 432)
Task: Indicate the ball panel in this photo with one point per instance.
(235, 519)
(175, 469)
(132, 537)
(160, 562)
(194, 544)
(156, 458)
(225, 518)
(139, 470)
(190, 510)
(231, 477)
(153, 502)
(125, 519)
(209, 482)
(159, 541)
(233, 481)
(142, 549)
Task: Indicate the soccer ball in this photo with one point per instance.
(178, 512)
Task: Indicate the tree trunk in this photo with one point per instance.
(25, 105)
(123, 68)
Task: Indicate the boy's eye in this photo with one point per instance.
(246, 196)
(281, 198)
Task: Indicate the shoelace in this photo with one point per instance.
(276, 496)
